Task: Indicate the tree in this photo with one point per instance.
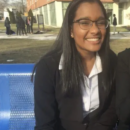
(3, 4)
(18, 14)
(30, 13)
(20, 5)
(11, 15)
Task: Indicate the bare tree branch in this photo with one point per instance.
(20, 5)
(3, 4)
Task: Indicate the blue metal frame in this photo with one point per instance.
(16, 68)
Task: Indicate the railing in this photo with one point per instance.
(16, 97)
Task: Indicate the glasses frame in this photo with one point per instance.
(78, 21)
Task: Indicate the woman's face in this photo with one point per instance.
(89, 40)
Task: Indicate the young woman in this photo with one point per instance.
(75, 81)
(7, 25)
(123, 90)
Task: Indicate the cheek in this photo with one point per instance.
(78, 33)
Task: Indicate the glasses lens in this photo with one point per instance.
(85, 24)
(102, 24)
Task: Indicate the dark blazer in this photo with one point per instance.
(123, 89)
(53, 111)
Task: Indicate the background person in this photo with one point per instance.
(28, 24)
(7, 25)
(31, 25)
(18, 25)
(123, 90)
(75, 81)
(114, 23)
(23, 26)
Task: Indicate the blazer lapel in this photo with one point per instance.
(68, 104)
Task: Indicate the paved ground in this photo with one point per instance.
(29, 36)
(121, 35)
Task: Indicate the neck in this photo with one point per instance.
(88, 59)
(87, 56)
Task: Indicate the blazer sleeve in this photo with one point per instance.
(123, 89)
(44, 97)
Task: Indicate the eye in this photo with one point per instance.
(84, 22)
(102, 22)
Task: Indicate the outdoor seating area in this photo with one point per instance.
(64, 65)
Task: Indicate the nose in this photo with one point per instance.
(94, 29)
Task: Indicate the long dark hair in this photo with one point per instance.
(72, 72)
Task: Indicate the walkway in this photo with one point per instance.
(121, 35)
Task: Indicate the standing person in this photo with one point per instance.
(123, 90)
(114, 23)
(28, 24)
(18, 25)
(23, 26)
(31, 26)
(74, 85)
(7, 25)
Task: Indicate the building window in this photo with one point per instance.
(52, 14)
(40, 10)
(64, 7)
(45, 14)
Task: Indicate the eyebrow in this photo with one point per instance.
(88, 18)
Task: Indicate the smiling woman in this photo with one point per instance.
(75, 80)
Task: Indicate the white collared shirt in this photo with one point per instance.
(90, 92)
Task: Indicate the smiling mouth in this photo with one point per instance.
(93, 39)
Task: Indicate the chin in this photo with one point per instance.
(95, 49)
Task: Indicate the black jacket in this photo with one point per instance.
(115, 21)
(123, 89)
(53, 111)
(7, 23)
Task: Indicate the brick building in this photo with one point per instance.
(54, 10)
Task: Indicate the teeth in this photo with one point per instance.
(96, 39)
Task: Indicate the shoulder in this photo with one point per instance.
(124, 54)
(113, 56)
(124, 57)
(49, 61)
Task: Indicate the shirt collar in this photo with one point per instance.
(97, 68)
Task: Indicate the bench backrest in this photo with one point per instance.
(16, 97)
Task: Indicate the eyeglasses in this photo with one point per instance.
(86, 24)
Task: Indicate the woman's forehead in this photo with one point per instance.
(92, 11)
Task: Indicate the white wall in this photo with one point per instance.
(126, 13)
(59, 13)
(48, 9)
(6, 14)
(116, 11)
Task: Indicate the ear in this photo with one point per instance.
(72, 35)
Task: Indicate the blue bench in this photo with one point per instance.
(16, 97)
